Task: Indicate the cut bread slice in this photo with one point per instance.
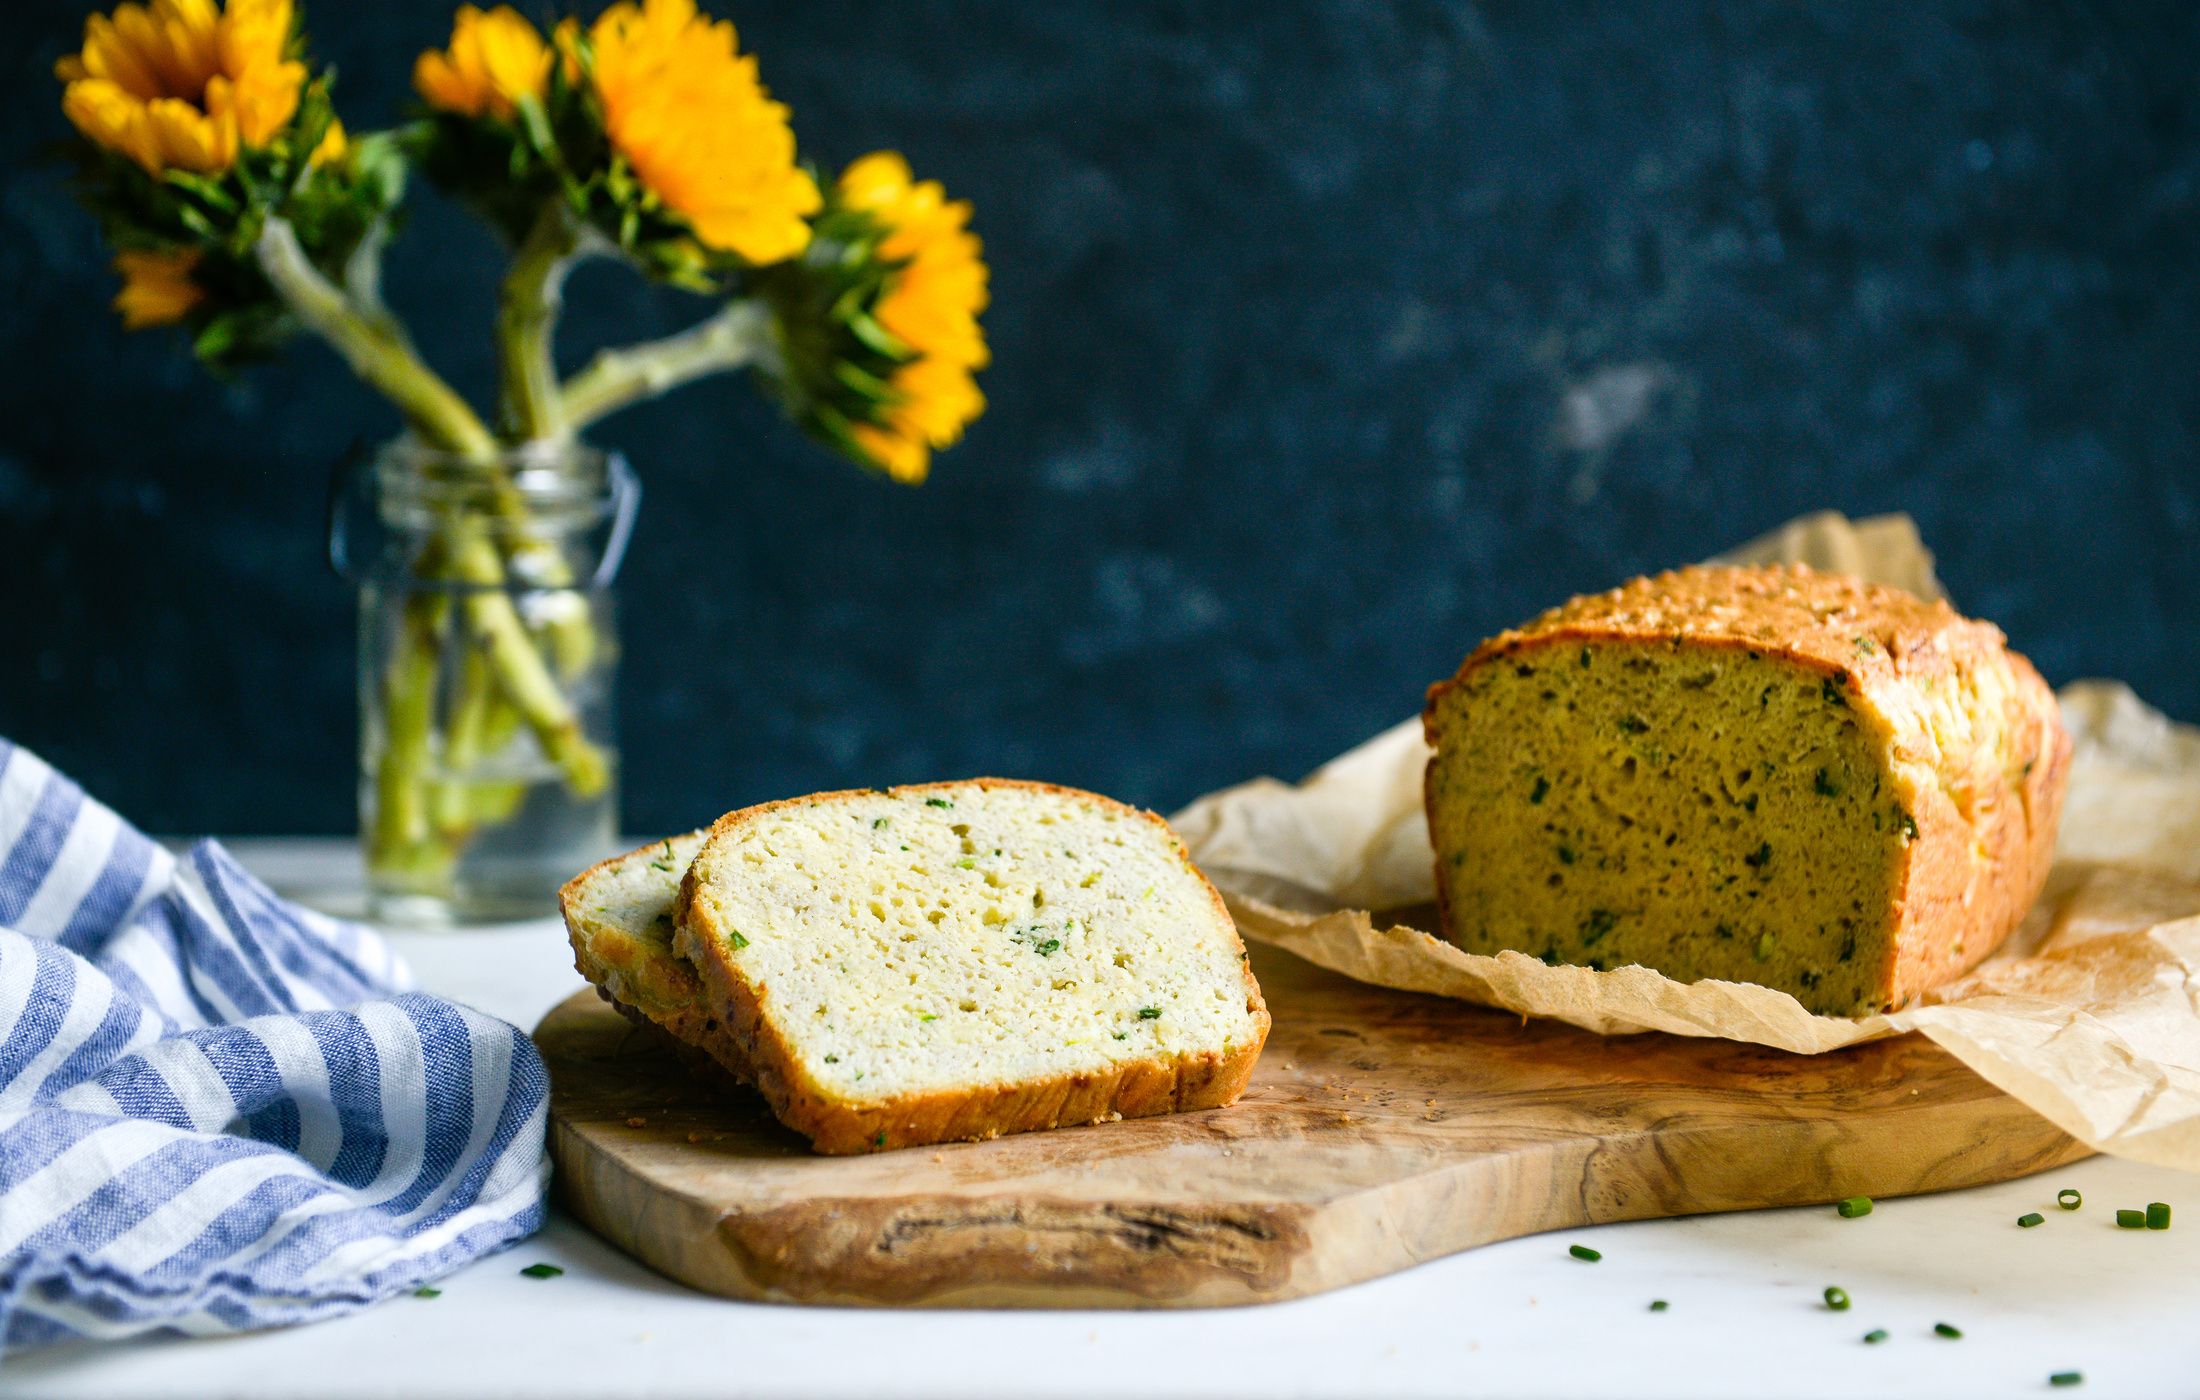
(961, 960)
(618, 916)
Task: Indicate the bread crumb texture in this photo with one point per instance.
(882, 949)
(1764, 775)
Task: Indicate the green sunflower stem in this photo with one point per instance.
(740, 334)
(527, 317)
(371, 343)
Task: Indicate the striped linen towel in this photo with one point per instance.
(219, 1111)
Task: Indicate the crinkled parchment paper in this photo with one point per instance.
(2089, 1013)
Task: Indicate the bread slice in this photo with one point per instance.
(961, 960)
(1765, 775)
(618, 916)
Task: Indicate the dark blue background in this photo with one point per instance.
(1329, 338)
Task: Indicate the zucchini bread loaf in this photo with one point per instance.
(1765, 775)
(961, 960)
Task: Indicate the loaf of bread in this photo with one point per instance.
(1764, 775)
(960, 960)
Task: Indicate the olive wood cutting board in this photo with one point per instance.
(1382, 1129)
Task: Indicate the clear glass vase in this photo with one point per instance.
(488, 647)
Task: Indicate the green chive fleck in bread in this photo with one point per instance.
(618, 916)
(960, 960)
(1765, 775)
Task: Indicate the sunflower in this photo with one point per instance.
(684, 108)
(496, 58)
(157, 288)
(180, 85)
(931, 305)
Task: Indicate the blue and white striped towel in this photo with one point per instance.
(219, 1111)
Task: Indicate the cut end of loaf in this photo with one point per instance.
(1708, 811)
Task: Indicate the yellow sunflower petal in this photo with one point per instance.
(495, 59)
(180, 84)
(157, 289)
(687, 111)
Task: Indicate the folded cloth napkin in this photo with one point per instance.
(219, 1111)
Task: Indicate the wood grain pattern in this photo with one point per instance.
(1382, 1129)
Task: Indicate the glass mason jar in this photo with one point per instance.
(488, 762)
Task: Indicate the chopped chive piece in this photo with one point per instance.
(967, 863)
(1149, 1013)
(2067, 1378)
(424, 1291)
(1582, 1251)
(739, 942)
(1948, 1330)
(926, 1016)
(2030, 1218)
(541, 1271)
(1837, 1298)
(878, 823)
(2158, 1215)
(1854, 1206)
(2069, 1198)
(1658, 1305)
(1875, 1336)
(2131, 1219)
(937, 802)
(880, 1139)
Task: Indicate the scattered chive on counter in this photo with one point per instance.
(2157, 1215)
(1658, 1305)
(2030, 1218)
(1949, 1330)
(2131, 1219)
(1582, 1251)
(1875, 1336)
(424, 1291)
(1837, 1298)
(2069, 1198)
(2061, 1378)
(541, 1271)
(1854, 1206)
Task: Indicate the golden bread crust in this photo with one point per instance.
(1135, 1089)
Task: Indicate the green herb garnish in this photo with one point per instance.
(1853, 1207)
(1837, 1298)
(2069, 1198)
(1121, 1035)
(937, 802)
(2158, 1215)
(1658, 1305)
(2131, 1219)
(1875, 1336)
(926, 1016)
(1584, 1253)
(832, 1059)
(880, 1139)
(739, 941)
(967, 863)
(2030, 1218)
(663, 862)
(875, 825)
(1149, 1013)
(1049, 948)
(2063, 1378)
(423, 1291)
(1949, 1330)
(541, 1271)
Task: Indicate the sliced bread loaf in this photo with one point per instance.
(618, 916)
(960, 960)
(1765, 775)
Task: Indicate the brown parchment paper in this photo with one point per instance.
(2088, 1014)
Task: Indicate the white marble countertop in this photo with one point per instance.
(1515, 1319)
